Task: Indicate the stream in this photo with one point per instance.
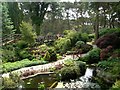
(83, 81)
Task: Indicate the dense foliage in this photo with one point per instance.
(111, 65)
(28, 38)
(70, 69)
(27, 33)
(110, 39)
(13, 81)
(93, 56)
(106, 31)
(116, 85)
(7, 67)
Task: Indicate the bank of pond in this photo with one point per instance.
(72, 74)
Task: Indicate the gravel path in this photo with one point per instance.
(40, 67)
(44, 67)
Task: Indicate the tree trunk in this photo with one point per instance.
(38, 30)
(104, 25)
(97, 27)
(97, 24)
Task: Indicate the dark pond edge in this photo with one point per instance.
(30, 76)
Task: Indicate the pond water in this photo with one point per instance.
(49, 79)
(33, 82)
(84, 81)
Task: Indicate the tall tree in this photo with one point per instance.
(36, 12)
(95, 7)
(15, 14)
(7, 27)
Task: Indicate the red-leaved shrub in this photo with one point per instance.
(109, 40)
(105, 53)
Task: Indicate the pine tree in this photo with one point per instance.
(7, 27)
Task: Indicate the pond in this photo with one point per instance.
(33, 82)
(84, 81)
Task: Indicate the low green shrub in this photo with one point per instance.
(105, 31)
(91, 36)
(93, 56)
(41, 87)
(84, 37)
(116, 85)
(110, 62)
(68, 73)
(79, 44)
(63, 44)
(72, 69)
(47, 56)
(24, 54)
(69, 62)
(86, 47)
(116, 53)
(50, 55)
(7, 67)
(82, 66)
(8, 55)
(43, 47)
(13, 81)
(112, 65)
(59, 56)
(21, 44)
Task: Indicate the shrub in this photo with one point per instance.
(23, 54)
(116, 85)
(43, 47)
(79, 44)
(82, 66)
(41, 87)
(84, 37)
(105, 53)
(8, 55)
(69, 62)
(105, 31)
(49, 42)
(13, 81)
(111, 39)
(7, 67)
(9, 83)
(21, 44)
(84, 59)
(50, 55)
(59, 56)
(93, 56)
(68, 73)
(47, 56)
(27, 33)
(111, 65)
(85, 48)
(63, 44)
(91, 36)
(116, 53)
(53, 56)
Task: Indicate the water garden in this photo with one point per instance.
(46, 52)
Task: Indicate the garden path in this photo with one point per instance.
(44, 67)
